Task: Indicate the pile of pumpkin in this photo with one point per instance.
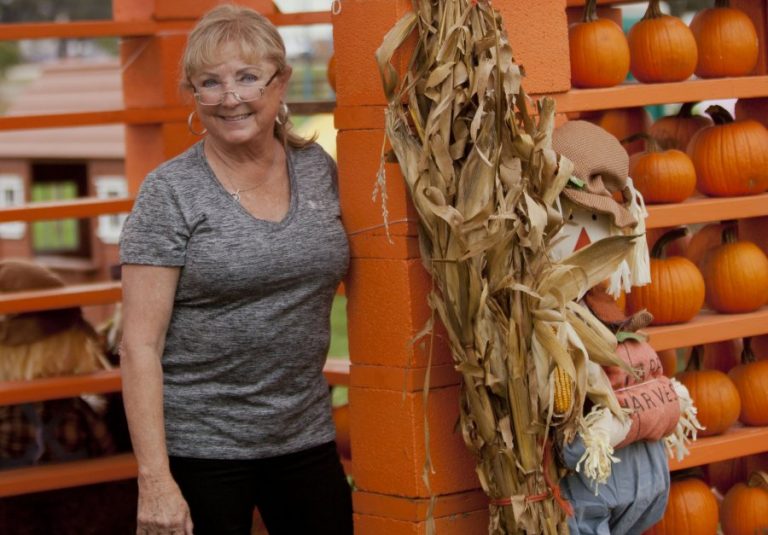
(721, 41)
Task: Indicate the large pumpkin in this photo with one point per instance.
(751, 380)
(726, 40)
(598, 49)
(724, 474)
(735, 275)
(731, 158)
(662, 176)
(676, 291)
(675, 131)
(745, 507)
(691, 510)
(661, 47)
(714, 395)
(622, 123)
(702, 242)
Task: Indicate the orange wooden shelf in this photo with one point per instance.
(67, 474)
(636, 94)
(738, 441)
(708, 327)
(704, 209)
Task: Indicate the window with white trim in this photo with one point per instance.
(110, 187)
(11, 194)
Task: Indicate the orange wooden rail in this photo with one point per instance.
(80, 208)
(100, 293)
(109, 28)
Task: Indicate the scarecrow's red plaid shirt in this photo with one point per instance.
(56, 430)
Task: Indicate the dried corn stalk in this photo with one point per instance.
(485, 180)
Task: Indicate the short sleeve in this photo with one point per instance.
(155, 232)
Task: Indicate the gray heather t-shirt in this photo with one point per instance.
(250, 331)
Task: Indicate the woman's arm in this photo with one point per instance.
(148, 294)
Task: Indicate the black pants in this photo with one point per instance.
(302, 492)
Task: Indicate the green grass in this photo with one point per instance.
(339, 345)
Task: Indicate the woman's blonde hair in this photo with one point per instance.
(257, 40)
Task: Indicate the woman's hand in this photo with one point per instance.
(162, 508)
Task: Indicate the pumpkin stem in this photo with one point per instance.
(758, 479)
(653, 11)
(730, 232)
(722, 3)
(719, 114)
(651, 143)
(686, 110)
(694, 362)
(590, 11)
(747, 355)
(659, 248)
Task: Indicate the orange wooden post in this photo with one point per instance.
(387, 288)
(151, 79)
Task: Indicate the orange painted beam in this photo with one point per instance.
(79, 208)
(705, 209)
(14, 392)
(67, 474)
(336, 372)
(738, 441)
(100, 293)
(415, 509)
(132, 116)
(108, 28)
(708, 327)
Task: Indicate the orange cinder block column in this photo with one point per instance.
(387, 287)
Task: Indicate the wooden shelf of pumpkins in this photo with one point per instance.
(708, 326)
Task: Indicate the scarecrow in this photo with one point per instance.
(599, 202)
(35, 345)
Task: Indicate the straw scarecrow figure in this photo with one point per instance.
(599, 202)
(486, 183)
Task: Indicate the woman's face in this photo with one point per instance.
(232, 122)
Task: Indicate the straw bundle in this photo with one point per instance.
(485, 182)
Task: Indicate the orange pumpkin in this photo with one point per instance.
(725, 474)
(751, 380)
(731, 158)
(341, 420)
(735, 275)
(722, 355)
(676, 291)
(668, 358)
(662, 176)
(745, 507)
(714, 395)
(760, 347)
(678, 247)
(675, 131)
(598, 49)
(661, 47)
(726, 40)
(691, 510)
(703, 241)
(622, 123)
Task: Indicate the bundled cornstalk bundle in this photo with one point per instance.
(485, 182)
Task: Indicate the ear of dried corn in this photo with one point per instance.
(484, 180)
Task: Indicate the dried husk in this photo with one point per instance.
(484, 180)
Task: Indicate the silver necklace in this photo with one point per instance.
(236, 194)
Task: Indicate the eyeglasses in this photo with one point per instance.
(248, 90)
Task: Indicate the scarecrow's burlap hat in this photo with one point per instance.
(29, 327)
(601, 163)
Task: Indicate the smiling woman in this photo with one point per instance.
(231, 260)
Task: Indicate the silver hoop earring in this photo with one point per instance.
(191, 128)
(282, 114)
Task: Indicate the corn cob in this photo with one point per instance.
(563, 391)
